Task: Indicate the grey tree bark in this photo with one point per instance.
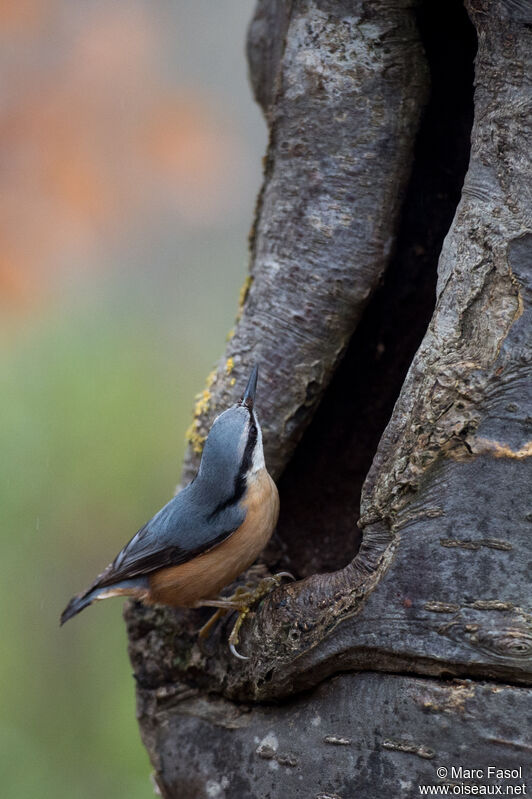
(406, 643)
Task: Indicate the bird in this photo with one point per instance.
(206, 535)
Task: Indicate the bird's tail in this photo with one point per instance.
(137, 587)
(76, 604)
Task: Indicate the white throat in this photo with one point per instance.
(258, 454)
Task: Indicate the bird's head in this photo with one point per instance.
(233, 449)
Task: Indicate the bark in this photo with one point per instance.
(342, 87)
(331, 743)
(439, 585)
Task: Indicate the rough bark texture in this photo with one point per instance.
(439, 585)
(342, 86)
(331, 743)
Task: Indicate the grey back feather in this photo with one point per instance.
(201, 515)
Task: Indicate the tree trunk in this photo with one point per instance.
(364, 679)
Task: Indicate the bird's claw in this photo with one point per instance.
(284, 574)
(233, 638)
(264, 587)
(243, 599)
(235, 653)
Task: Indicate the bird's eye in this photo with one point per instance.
(252, 432)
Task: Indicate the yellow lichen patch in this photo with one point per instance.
(242, 297)
(244, 291)
(230, 334)
(446, 699)
(232, 381)
(475, 445)
(481, 446)
(211, 377)
(194, 435)
(229, 365)
(202, 402)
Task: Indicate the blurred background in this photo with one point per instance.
(130, 152)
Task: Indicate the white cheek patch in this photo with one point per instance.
(258, 453)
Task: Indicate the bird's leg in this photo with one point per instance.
(243, 599)
(248, 599)
(224, 605)
(209, 624)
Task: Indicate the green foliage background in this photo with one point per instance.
(95, 401)
(97, 385)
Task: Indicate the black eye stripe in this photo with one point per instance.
(245, 465)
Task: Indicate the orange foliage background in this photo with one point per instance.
(97, 136)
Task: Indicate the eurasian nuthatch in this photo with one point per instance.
(209, 533)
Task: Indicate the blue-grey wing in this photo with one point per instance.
(180, 531)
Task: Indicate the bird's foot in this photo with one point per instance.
(243, 599)
(209, 624)
(249, 598)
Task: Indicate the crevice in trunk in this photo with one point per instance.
(320, 489)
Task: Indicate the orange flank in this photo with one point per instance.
(204, 576)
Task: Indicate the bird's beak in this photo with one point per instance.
(248, 397)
